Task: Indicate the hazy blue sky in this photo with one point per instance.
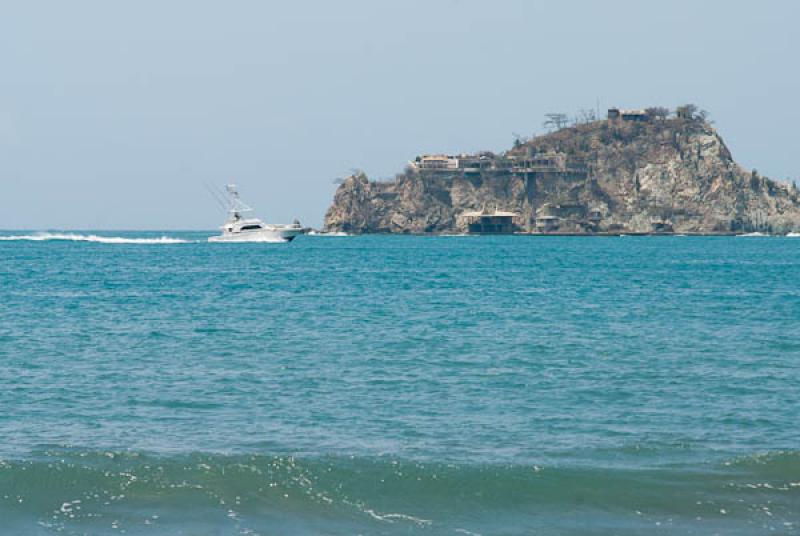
(114, 114)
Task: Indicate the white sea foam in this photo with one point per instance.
(249, 240)
(74, 237)
(391, 518)
(332, 233)
(793, 235)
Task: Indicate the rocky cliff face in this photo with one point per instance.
(606, 176)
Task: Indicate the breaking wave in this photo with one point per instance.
(75, 237)
(101, 492)
(756, 233)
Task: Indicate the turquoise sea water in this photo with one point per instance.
(399, 385)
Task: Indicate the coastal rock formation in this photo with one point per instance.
(631, 173)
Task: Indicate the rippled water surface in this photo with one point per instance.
(152, 383)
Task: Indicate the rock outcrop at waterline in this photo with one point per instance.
(644, 175)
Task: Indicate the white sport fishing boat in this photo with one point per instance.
(240, 229)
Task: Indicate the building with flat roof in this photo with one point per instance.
(618, 114)
(436, 161)
(490, 222)
(547, 223)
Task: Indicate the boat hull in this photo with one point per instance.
(275, 234)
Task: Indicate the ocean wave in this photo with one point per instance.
(75, 237)
(754, 234)
(80, 491)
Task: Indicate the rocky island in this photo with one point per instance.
(638, 171)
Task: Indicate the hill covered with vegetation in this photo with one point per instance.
(637, 171)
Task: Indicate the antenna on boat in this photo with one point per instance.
(222, 195)
(220, 201)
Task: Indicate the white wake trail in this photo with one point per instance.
(74, 237)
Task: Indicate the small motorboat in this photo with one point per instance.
(237, 228)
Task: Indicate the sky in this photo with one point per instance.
(115, 115)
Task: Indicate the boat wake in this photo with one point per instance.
(75, 237)
(250, 240)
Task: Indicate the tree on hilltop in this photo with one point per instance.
(555, 120)
(657, 112)
(687, 111)
(585, 116)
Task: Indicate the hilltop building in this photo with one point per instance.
(436, 161)
(617, 114)
(545, 162)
